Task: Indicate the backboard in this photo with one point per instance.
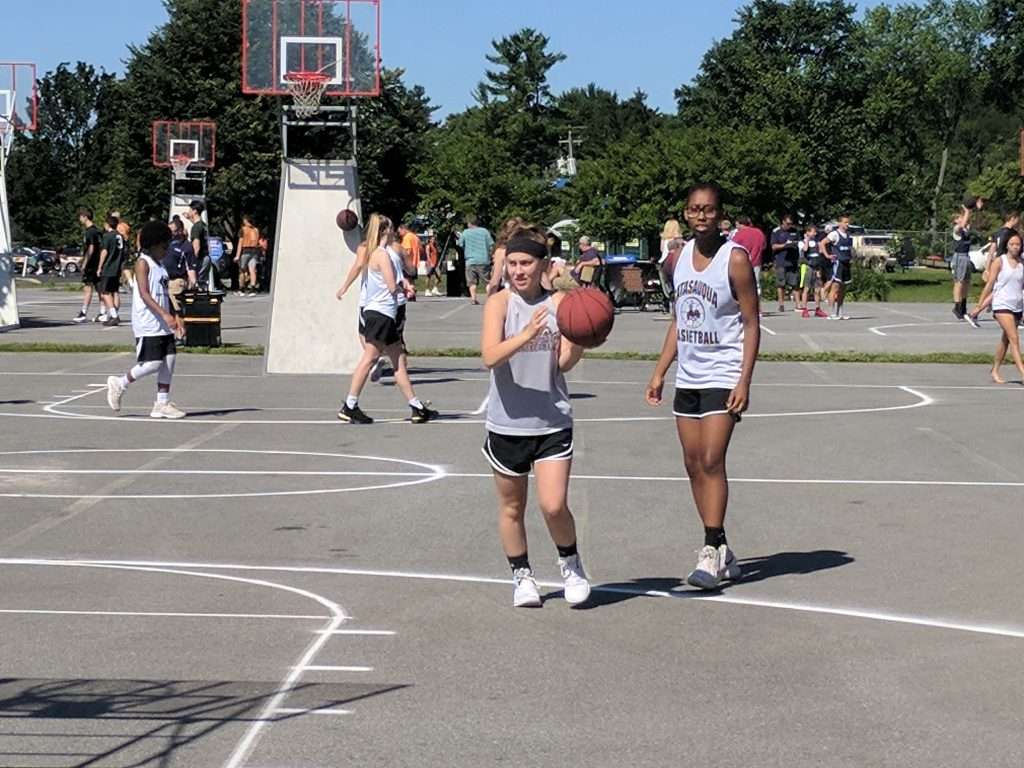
(196, 139)
(338, 38)
(18, 96)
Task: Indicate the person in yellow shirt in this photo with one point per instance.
(248, 258)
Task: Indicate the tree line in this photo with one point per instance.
(807, 106)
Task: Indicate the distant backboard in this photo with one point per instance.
(338, 38)
(19, 103)
(196, 139)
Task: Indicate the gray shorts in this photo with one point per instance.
(249, 255)
(787, 277)
(961, 267)
(478, 273)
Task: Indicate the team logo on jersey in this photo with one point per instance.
(693, 313)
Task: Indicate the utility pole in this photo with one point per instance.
(567, 162)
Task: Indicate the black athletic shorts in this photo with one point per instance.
(400, 322)
(842, 272)
(151, 348)
(379, 329)
(1017, 316)
(698, 403)
(89, 276)
(110, 284)
(515, 455)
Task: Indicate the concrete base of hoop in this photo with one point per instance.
(310, 330)
(9, 318)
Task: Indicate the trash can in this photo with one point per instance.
(455, 277)
(201, 314)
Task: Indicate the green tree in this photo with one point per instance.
(522, 80)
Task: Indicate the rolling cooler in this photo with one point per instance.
(201, 313)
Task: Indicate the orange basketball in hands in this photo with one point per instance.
(585, 317)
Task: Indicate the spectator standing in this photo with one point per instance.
(124, 229)
(960, 265)
(838, 248)
(199, 236)
(671, 231)
(248, 258)
(90, 261)
(785, 241)
(433, 275)
(412, 252)
(812, 267)
(180, 263)
(112, 248)
(753, 241)
(477, 244)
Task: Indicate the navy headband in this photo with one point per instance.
(527, 246)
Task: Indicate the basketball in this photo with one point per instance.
(347, 220)
(585, 317)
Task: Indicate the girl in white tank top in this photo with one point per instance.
(1005, 285)
(714, 341)
(529, 416)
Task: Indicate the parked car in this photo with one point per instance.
(44, 261)
(876, 251)
(21, 254)
(70, 260)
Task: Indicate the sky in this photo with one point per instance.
(621, 45)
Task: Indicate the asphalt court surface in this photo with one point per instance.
(261, 585)
(439, 323)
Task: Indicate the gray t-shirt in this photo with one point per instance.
(477, 244)
(528, 394)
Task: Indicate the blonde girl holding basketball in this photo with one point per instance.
(529, 415)
(715, 339)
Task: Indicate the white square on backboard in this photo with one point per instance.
(336, 42)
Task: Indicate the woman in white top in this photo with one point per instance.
(380, 328)
(671, 231)
(715, 338)
(1005, 285)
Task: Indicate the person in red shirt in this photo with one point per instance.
(753, 241)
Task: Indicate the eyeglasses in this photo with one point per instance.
(694, 211)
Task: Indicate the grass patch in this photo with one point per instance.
(31, 283)
(848, 356)
(54, 347)
(927, 286)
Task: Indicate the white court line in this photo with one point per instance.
(815, 346)
(371, 632)
(458, 309)
(877, 329)
(332, 668)
(767, 330)
(828, 610)
(295, 711)
(248, 740)
(160, 615)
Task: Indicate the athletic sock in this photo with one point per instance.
(714, 537)
(415, 403)
(85, 308)
(519, 561)
(124, 381)
(113, 312)
(163, 397)
(569, 551)
(351, 402)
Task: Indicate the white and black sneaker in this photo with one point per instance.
(424, 414)
(525, 593)
(730, 570)
(577, 587)
(972, 320)
(353, 415)
(81, 317)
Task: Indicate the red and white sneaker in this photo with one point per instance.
(819, 312)
(805, 313)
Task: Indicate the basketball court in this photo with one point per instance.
(261, 585)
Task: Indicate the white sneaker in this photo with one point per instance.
(166, 411)
(844, 317)
(708, 572)
(526, 594)
(100, 318)
(115, 390)
(577, 588)
(730, 570)
(974, 323)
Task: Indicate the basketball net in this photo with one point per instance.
(180, 164)
(307, 90)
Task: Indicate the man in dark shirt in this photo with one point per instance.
(785, 249)
(90, 262)
(199, 236)
(180, 263)
(109, 269)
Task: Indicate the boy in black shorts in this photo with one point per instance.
(112, 249)
(90, 262)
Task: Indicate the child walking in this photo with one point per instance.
(153, 324)
(715, 338)
(529, 415)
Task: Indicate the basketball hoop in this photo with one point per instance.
(180, 164)
(307, 89)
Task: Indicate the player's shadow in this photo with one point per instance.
(417, 381)
(16, 402)
(754, 569)
(222, 412)
(581, 396)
